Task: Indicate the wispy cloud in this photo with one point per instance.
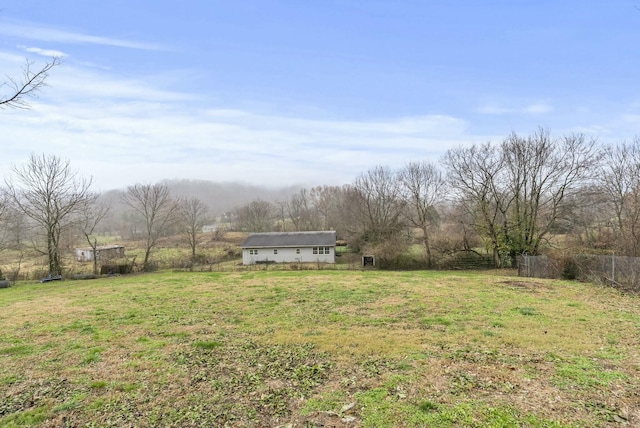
(77, 84)
(44, 33)
(127, 130)
(43, 52)
(537, 108)
(493, 110)
(146, 140)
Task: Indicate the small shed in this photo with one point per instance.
(102, 252)
(289, 247)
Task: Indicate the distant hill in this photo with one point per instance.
(226, 196)
(220, 197)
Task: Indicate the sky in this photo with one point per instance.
(309, 92)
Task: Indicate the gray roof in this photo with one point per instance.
(101, 247)
(290, 239)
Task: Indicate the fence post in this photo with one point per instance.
(613, 268)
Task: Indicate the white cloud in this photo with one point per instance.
(44, 52)
(44, 33)
(537, 108)
(73, 83)
(146, 140)
(125, 130)
(631, 118)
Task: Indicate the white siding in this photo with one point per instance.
(84, 254)
(287, 255)
(104, 253)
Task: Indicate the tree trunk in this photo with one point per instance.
(427, 247)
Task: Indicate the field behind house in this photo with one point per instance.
(318, 348)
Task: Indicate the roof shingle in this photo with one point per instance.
(290, 239)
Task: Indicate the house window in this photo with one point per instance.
(275, 251)
(297, 250)
(253, 252)
(321, 250)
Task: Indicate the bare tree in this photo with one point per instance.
(301, 212)
(51, 194)
(473, 173)
(280, 210)
(543, 174)
(17, 234)
(455, 232)
(590, 221)
(5, 217)
(16, 91)
(154, 204)
(330, 203)
(520, 189)
(620, 182)
(380, 204)
(194, 215)
(422, 188)
(91, 214)
(256, 216)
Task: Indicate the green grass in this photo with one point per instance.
(582, 372)
(271, 348)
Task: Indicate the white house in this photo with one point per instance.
(289, 247)
(103, 252)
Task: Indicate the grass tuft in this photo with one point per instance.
(207, 344)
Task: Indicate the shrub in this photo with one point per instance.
(569, 268)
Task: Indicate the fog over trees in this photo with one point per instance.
(523, 195)
(157, 210)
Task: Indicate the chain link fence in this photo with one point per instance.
(612, 270)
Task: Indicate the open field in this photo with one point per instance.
(319, 348)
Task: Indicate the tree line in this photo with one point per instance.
(45, 202)
(523, 195)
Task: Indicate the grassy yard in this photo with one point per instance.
(318, 348)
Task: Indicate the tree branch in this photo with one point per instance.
(29, 85)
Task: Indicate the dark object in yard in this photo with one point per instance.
(368, 261)
(4, 283)
(84, 276)
(116, 269)
(51, 278)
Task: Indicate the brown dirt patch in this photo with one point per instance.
(525, 285)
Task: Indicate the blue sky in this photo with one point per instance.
(310, 92)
